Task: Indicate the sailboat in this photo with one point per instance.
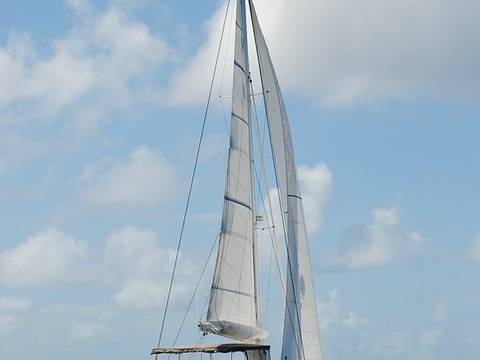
(233, 307)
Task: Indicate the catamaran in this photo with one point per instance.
(233, 306)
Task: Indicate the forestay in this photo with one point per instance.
(301, 339)
(232, 310)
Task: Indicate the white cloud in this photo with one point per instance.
(135, 260)
(376, 244)
(431, 337)
(7, 324)
(331, 317)
(134, 264)
(350, 51)
(182, 90)
(16, 149)
(354, 321)
(474, 253)
(316, 184)
(392, 344)
(440, 313)
(86, 331)
(93, 323)
(10, 308)
(329, 311)
(105, 63)
(9, 304)
(214, 145)
(48, 258)
(144, 178)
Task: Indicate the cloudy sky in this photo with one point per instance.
(100, 107)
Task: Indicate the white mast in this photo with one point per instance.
(301, 338)
(233, 307)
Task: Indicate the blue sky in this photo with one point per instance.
(100, 108)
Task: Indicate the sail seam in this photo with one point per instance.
(236, 235)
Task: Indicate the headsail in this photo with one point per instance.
(301, 339)
(233, 306)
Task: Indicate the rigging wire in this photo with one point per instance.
(192, 180)
(260, 150)
(196, 289)
(222, 78)
(266, 183)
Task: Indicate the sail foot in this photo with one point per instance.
(240, 332)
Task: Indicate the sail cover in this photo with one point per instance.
(232, 310)
(301, 339)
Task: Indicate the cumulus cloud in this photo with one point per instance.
(16, 149)
(331, 316)
(143, 178)
(354, 321)
(316, 183)
(181, 89)
(329, 311)
(432, 337)
(355, 52)
(107, 63)
(48, 258)
(376, 244)
(134, 263)
(135, 260)
(104, 63)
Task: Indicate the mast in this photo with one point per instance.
(234, 306)
(254, 212)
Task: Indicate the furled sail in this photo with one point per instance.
(301, 339)
(233, 306)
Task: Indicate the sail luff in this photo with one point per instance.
(301, 339)
(233, 306)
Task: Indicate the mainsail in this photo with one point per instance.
(301, 338)
(233, 307)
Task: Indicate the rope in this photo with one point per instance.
(192, 181)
